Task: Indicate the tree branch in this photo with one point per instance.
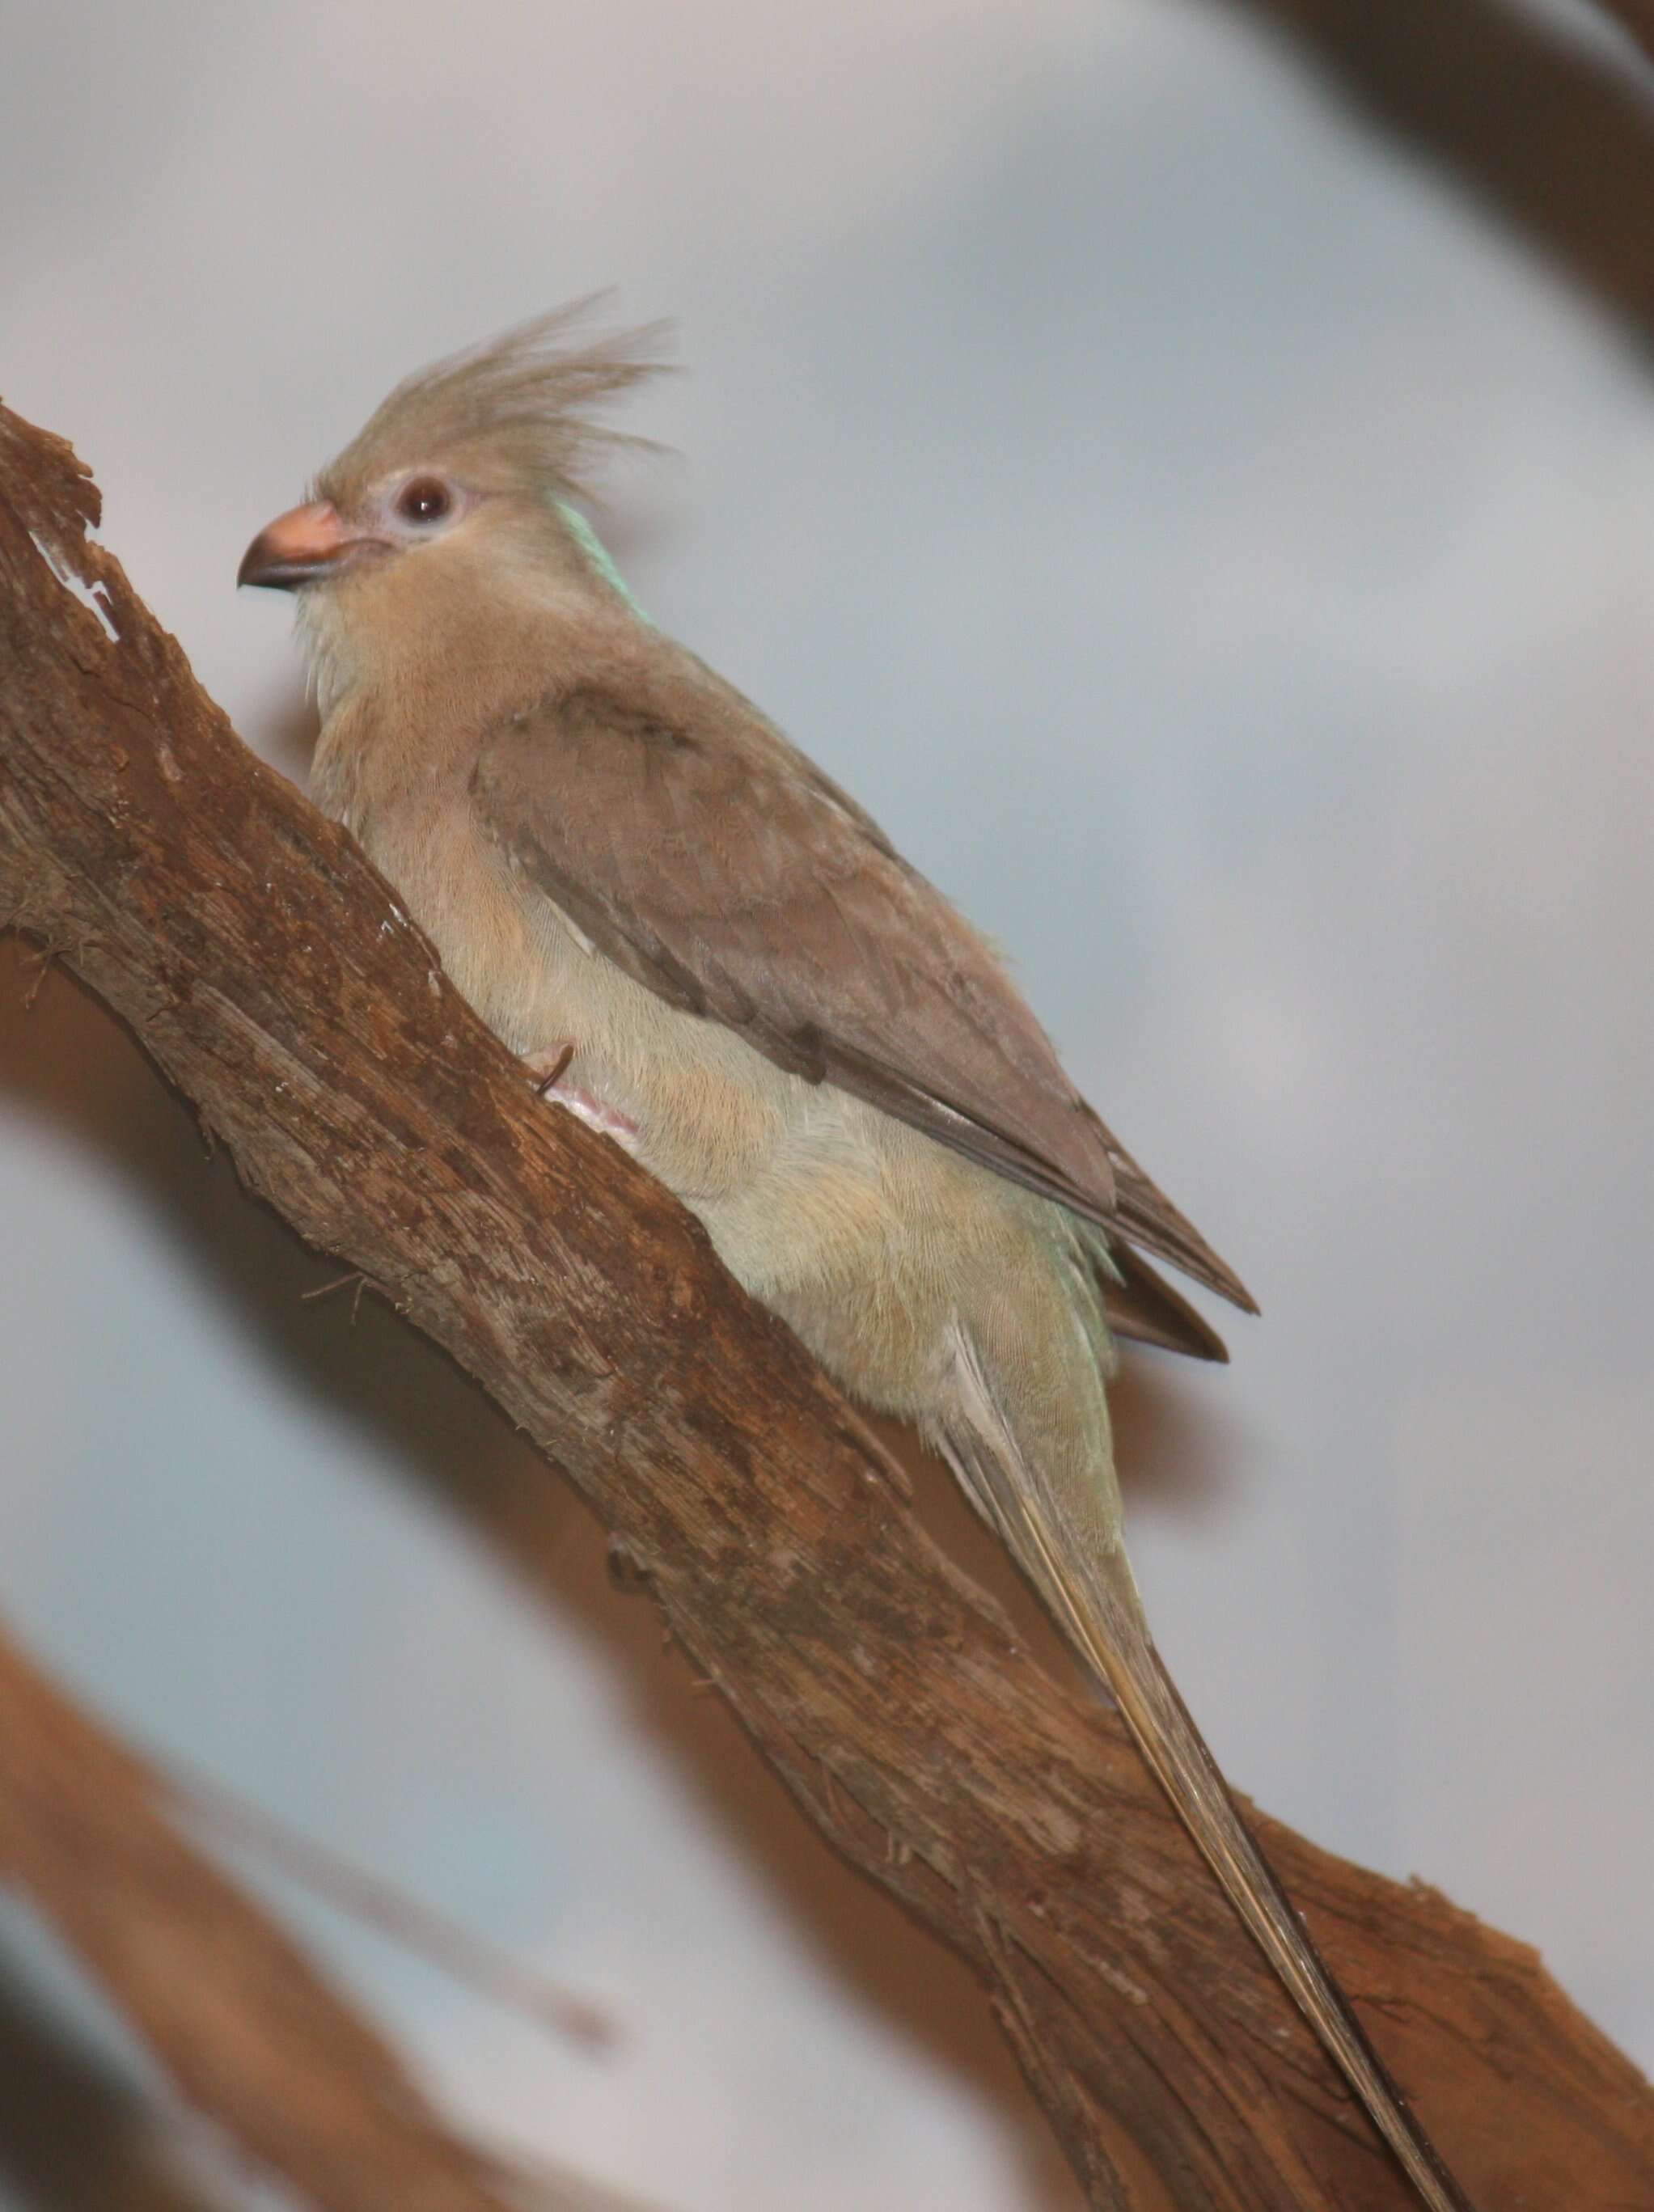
(1553, 140)
(273, 975)
(240, 2021)
(1637, 16)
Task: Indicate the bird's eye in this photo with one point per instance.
(424, 499)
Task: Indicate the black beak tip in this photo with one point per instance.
(261, 567)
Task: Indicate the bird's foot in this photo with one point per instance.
(548, 1073)
(546, 1069)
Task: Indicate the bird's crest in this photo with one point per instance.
(518, 405)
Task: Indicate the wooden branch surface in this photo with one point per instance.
(247, 2028)
(271, 974)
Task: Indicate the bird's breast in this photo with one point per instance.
(841, 1219)
(710, 1112)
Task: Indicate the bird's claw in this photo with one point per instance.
(547, 1072)
(546, 1069)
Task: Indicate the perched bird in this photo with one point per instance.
(701, 946)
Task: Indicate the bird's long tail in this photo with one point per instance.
(1089, 1587)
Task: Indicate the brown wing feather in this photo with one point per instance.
(1147, 1216)
(1140, 1303)
(716, 865)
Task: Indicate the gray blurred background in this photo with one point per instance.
(1219, 545)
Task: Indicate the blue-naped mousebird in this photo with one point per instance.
(701, 946)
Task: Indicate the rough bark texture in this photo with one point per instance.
(273, 975)
(236, 2015)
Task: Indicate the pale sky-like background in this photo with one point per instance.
(1223, 560)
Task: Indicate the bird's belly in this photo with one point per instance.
(880, 1248)
(855, 1229)
(841, 1220)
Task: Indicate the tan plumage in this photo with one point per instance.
(614, 851)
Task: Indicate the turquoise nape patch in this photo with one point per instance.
(596, 552)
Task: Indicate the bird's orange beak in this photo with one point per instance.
(299, 546)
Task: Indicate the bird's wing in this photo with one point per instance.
(713, 863)
(1140, 1303)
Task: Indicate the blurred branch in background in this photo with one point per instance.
(76, 2134)
(1637, 16)
(236, 2015)
(269, 971)
(1550, 136)
(367, 1897)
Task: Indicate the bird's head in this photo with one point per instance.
(455, 496)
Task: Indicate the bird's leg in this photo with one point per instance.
(548, 1072)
